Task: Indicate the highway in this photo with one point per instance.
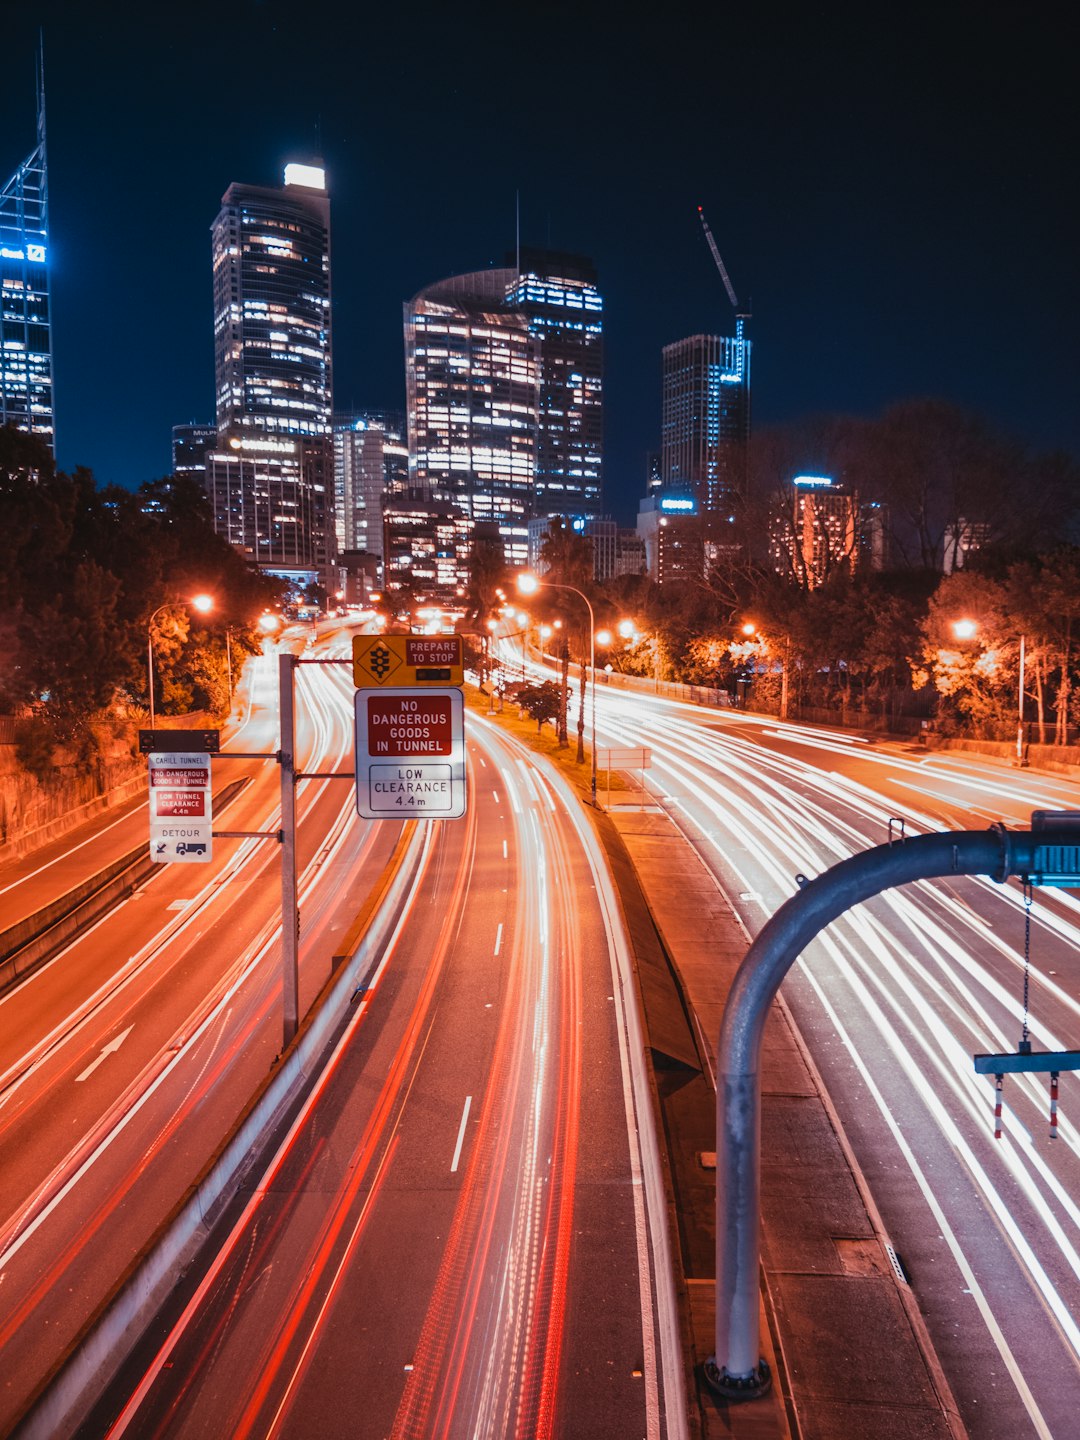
(125, 1059)
(893, 1002)
(455, 1236)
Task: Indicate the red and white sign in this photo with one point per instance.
(181, 819)
(410, 723)
(410, 754)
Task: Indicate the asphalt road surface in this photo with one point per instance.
(894, 1000)
(463, 1232)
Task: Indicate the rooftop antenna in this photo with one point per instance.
(517, 231)
(41, 87)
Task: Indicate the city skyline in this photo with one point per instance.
(889, 204)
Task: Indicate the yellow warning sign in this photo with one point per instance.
(407, 660)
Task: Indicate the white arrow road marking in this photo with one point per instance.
(109, 1049)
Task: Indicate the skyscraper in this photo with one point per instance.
(504, 377)
(558, 295)
(371, 460)
(26, 373)
(472, 377)
(271, 258)
(271, 253)
(189, 446)
(705, 422)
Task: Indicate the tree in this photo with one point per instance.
(541, 701)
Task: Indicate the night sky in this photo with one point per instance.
(894, 187)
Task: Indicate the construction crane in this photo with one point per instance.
(719, 263)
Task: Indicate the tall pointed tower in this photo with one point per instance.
(26, 372)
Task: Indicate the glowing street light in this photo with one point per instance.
(967, 630)
(528, 585)
(203, 604)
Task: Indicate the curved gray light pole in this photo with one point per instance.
(737, 1369)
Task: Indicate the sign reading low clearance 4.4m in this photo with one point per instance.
(385, 660)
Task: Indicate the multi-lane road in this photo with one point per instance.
(894, 1001)
(467, 1212)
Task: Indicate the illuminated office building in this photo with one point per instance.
(472, 375)
(268, 500)
(371, 462)
(190, 444)
(823, 528)
(504, 379)
(705, 421)
(26, 372)
(558, 295)
(271, 260)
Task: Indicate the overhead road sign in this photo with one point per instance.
(205, 741)
(410, 754)
(181, 807)
(625, 757)
(398, 660)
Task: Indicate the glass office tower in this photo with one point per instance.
(504, 378)
(26, 372)
(705, 423)
(558, 295)
(271, 254)
(472, 377)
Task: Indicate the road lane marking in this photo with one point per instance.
(498, 938)
(506, 853)
(110, 1049)
(461, 1130)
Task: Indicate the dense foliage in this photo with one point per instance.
(972, 527)
(88, 572)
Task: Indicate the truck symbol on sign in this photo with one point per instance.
(191, 847)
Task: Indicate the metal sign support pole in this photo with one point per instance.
(1048, 854)
(290, 913)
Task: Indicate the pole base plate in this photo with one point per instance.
(737, 1387)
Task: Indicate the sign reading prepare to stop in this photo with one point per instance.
(181, 817)
(410, 754)
(388, 660)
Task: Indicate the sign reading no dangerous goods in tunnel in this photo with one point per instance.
(410, 754)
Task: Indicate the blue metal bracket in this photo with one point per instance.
(1037, 1062)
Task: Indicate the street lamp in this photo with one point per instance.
(203, 603)
(528, 585)
(967, 630)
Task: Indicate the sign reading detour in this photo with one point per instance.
(407, 660)
(410, 754)
(181, 816)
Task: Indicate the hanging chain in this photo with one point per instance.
(1027, 956)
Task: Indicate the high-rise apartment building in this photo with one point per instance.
(26, 370)
(504, 379)
(371, 461)
(271, 259)
(705, 422)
